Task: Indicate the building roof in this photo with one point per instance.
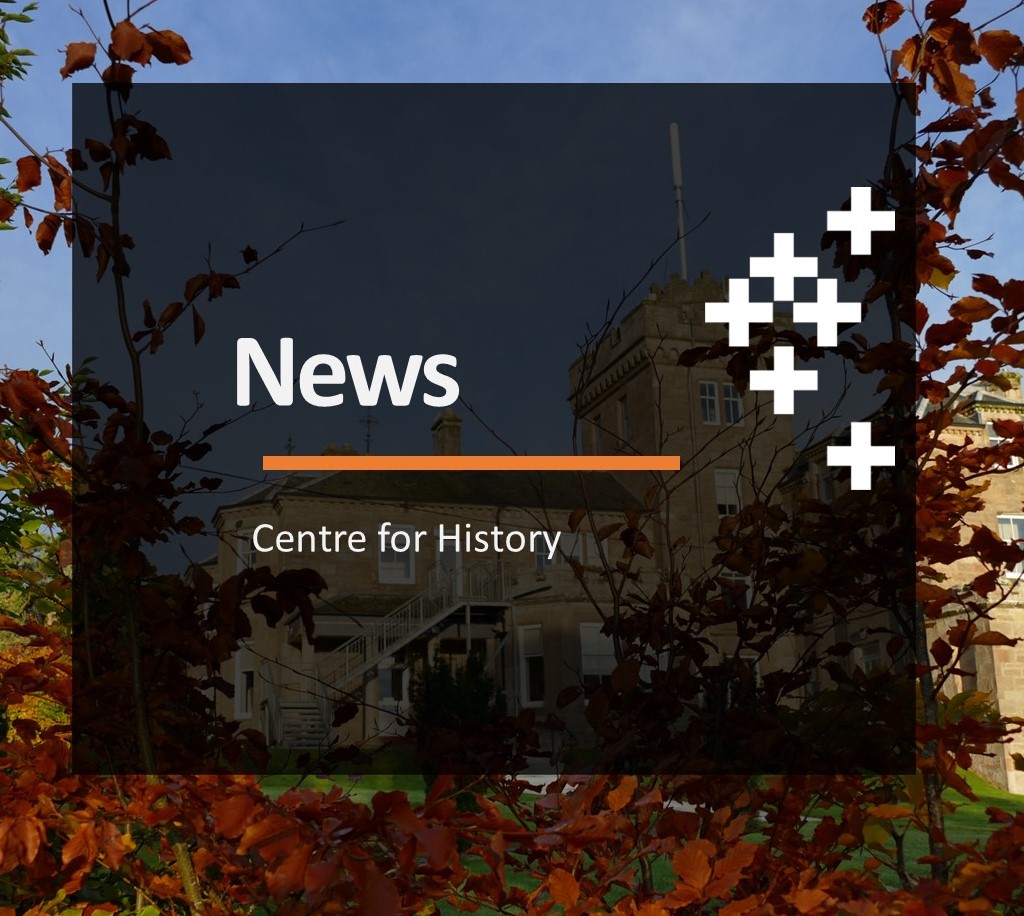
(548, 489)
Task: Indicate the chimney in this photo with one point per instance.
(447, 430)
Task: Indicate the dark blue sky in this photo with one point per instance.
(490, 222)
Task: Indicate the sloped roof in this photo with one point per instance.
(548, 489)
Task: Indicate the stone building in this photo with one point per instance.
(995, 671)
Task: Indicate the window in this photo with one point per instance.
(597, 654)
(1011, 528)
(598, 435)
(241, 546)
(540, 557)
(826, 491)
(735, 589)
(727, 492)
(625, 433)
(397, 567)
(869, 656)
(245, 685)
(531, 664)
(570, 547)
(1014, 461)
(709, 403)
(732, 404)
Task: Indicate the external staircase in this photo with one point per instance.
(305, 721)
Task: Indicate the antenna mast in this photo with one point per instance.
(369, 422)
(677, 181)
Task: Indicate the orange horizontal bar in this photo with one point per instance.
(470, 462)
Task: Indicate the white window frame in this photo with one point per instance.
(524, 667)
(727, 479)
(730, 396)
(625, 433)
(245, 699)
(1010, 527)
(240, 542)
(994, 440)
(709, 398)
(600, 664)
(824, 483)
(387, 570)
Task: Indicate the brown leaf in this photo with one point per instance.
(564, 888)
(195, 285)
(249, 255)
(881, 16)
(942, 652)
(1019, 105)
(621, 795)
(78, 55)
(232, 815)
(952, 83)
(128, 43)
(1000, 48)
(290, 875)
(692, 865)
(198, 325)
(992, 638)
(607, 531)
(98, 151)
(972, 308)
(943, 9)
(7, 208)
(575, 517)
(171, 312)
(169, 47)
(378, 895)
(60, 178)
(47, 232)
(29, 174)
(75, 161)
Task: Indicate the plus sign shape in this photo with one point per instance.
(860, 220)
(860, 456)
(783, 267)
(783, 380)
(827, 313)
(739, 313)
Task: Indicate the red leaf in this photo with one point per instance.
(881, 16)
(29, 174)
(290, 875)
(942, 652)
(378, 895)
(78, 56)
(231, 815)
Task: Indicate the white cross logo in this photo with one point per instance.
(739, 313)
(826, 313)
(860, 220)
(783, 267)
(860, 456)
(783, 380)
